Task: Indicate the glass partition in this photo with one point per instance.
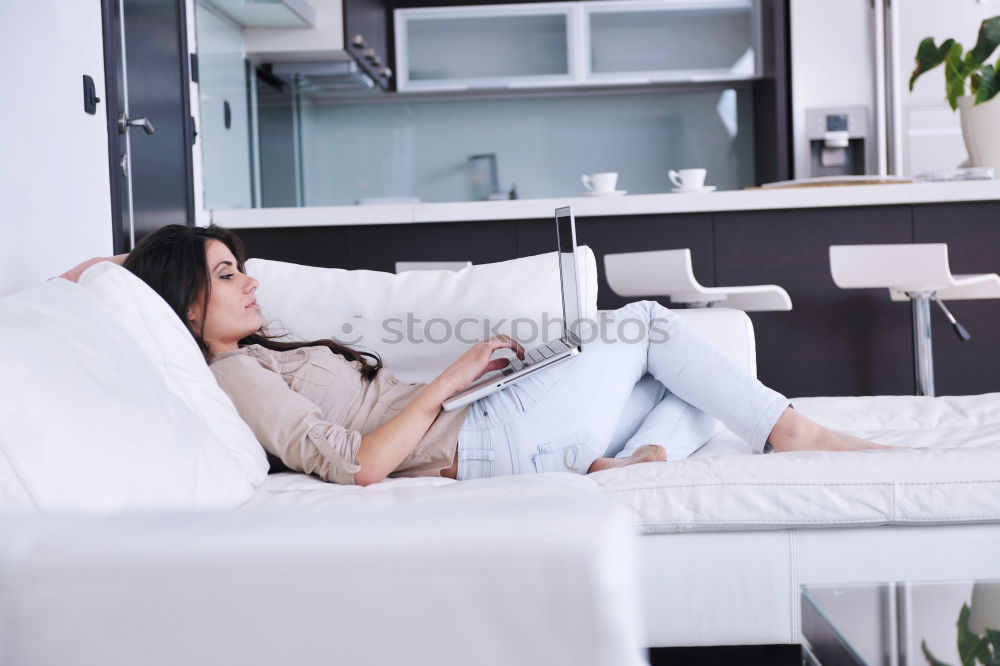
(224, 111)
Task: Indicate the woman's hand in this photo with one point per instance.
(476, 362)
(74, 273)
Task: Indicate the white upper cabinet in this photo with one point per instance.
(576, 43)
(494, 46)
(670, 40)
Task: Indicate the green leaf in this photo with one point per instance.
(930, 56)
(989, 84)
(989, 39)
(971, 646)
(934, 661)
(993, 636)
(954, 75)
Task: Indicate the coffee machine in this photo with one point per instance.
(837, 141)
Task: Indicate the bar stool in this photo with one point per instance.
(915, 272)
(669, 273)
(403, 266)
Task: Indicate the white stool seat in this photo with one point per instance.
(669, 273)
(403, 266)
(915, 272)
(964, 287)
(907, 267)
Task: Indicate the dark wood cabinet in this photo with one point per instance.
(833, 342)
(972, 232)
(607, 235)
(380, 247)
(328, 247)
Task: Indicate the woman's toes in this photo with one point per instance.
(648, 453)
(645, 453)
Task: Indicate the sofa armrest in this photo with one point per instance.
(473, 582)
(729, 329)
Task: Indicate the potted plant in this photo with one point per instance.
(971, 83)
(973, 647)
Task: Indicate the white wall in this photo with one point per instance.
(53, 165)
(932, 133)
(833, 65)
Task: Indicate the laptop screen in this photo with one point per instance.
(566, 235)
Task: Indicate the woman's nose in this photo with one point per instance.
(252, 284)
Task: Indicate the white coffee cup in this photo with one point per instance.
(688, 179)
(600, 183)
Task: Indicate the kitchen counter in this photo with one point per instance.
(640, 204)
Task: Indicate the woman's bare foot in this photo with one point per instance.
(645, 453)
(794, 432)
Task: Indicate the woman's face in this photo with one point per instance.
(232, 312)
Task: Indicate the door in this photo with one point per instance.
(150, 129)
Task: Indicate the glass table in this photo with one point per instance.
(901, 623)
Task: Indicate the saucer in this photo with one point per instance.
(693, 190)
(613, 193)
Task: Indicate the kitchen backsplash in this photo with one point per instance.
(542, 144)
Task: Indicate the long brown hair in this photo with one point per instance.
(172, 261)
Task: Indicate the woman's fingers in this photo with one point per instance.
(495, 364)
(506, 342)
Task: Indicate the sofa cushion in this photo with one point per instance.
(168, 345)
(949, 471)
(86, 420)
(950, 474)
(419, 322)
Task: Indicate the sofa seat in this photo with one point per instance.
(949, 472)
(731, 536)
(294, 490)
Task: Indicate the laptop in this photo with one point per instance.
(546, 354)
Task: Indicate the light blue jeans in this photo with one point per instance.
(644, 377)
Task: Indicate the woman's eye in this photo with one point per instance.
(227, 276)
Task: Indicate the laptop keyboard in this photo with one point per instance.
(532, 356)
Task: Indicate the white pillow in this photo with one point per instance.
(86, 422)
(166, 342)
(370, 309)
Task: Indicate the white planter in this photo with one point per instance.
(981, 131)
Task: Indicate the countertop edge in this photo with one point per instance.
(641, 204)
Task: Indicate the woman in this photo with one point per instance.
(326, 409)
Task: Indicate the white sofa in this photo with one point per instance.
(727, 537)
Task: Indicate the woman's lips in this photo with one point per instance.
(253, 306)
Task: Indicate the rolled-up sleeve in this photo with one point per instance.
(287, 424)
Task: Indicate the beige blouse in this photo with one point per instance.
(310, 407)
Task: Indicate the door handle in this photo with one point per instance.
(124, 122)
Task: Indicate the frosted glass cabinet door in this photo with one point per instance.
(671, 40)
(484, 47)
